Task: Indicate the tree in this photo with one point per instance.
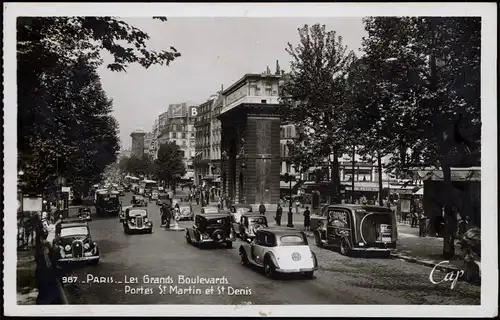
(433, 68)
(137, 165)
(170, 165)
(315, 96)
(59, 93)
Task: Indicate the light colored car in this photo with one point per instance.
(186, 211)
(279, 250)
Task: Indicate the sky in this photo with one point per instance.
(214, 52)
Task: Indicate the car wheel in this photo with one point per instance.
(344, 247)
(309, 274)
(269, 269)
(94, 262)
(244, 258)
(188, 238)
(317, 237)
(229, 244)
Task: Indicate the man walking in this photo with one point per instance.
(262, 208)
(279, 213)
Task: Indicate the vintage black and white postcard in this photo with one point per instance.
(250, 159)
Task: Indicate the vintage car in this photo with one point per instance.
(73, 243)
(186, 211)
(138, 201)
(136, 220)
(85, 214)
(354, 227)
(248, 224)
(211, 228)
(153, 195)
(238, 210)
(162, 198)
(279, 250)
(122, 213)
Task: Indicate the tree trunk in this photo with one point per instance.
(380, 182)
(352, 172)
(450, 218)
(334, 199)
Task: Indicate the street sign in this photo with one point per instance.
(66, 189)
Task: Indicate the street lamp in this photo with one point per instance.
(288, 179)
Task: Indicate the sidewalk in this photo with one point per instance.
(26, 279)
(425, 250)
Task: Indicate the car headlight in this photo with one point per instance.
(67, 247)
(86, 246)
(146, 220)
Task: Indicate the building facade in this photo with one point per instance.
(137, 143)
(203, 141)
(177, 125)
(250, 140)
(148, 140)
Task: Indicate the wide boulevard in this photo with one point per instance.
(339, 280)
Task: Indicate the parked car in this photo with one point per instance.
(162, 198)
(73, 243)
(354, 227)
(279, 250)
(153, 195)
(136, 220)
(248, 224)
(211, 228)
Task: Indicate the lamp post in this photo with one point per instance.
(288, 178)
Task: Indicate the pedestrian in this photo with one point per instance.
(296, 206)
(197, 199)
(262, 208)
(414, 216)
(422, 226)
(279, 213)
(168, 216)
(307, 219)
(163, 211)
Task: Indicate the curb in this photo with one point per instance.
(430, 264)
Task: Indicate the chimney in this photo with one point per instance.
(278, 70)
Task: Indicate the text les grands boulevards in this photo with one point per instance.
(180, 285)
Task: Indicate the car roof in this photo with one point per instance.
(280, 231)
(214, 215)
(360, 207)
(73, 224)
(184, 203)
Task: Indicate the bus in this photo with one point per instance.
(128, 181)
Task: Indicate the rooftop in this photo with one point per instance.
(248, 76)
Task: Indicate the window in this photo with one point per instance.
(192, 134)
(288, 167)
(174, 135)
(183, 135)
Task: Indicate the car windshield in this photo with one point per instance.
(292, 240)
(74, 231)
(211, 210)
(137, 213)
(139, 198)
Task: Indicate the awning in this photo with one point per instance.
(457, 174)
(198, 153)
(188, 175)
(371, 186)
(420, 192)
(403, 189)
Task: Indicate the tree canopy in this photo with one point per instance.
(169, 164)
(65, 126)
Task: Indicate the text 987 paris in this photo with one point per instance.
(180, 285)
